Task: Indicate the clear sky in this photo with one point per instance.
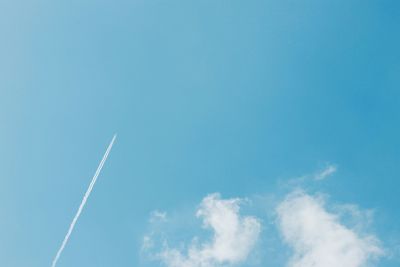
(248, 99)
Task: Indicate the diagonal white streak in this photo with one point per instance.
(85, 198)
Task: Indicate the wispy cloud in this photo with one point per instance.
(158, 216)
(82, 205)
(234, 236)
(318, 238)
(326, 172)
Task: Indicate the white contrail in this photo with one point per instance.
(85, 197)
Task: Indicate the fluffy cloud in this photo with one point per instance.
(318, 238)
(233, 238)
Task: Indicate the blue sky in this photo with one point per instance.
(234, 97)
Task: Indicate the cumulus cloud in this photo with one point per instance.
(233, 237)
(318, 238)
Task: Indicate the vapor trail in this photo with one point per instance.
(85, 197)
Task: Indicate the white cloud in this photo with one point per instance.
(327, 171)
(147, 242)
(318, 238)
(158, 216)
(233, 238)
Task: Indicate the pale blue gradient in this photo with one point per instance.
(206, 96)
